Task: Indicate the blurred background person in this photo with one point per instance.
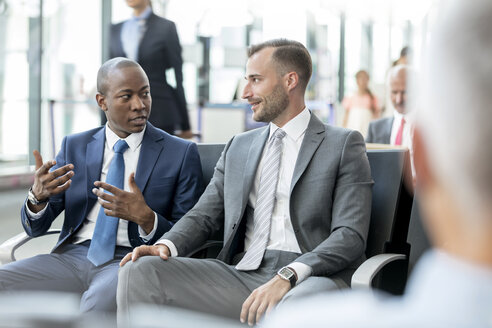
(404, 59)
(362, 107)
(396, 129)
(153, 42)
(451, 286)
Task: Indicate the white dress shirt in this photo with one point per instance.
(407, 136)
(132, 32)
(282, 236)
(406, 140)
(443, 291)
(130, 157)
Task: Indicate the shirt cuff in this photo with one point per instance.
(151, 234)
(170, 245)
(302, 270)
(35, 216)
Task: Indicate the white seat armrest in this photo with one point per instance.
(365, 273)
(8, 248)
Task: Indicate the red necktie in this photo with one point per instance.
(399, 135)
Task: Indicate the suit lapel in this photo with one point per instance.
(94, 162)
(387, 129)
(252, 161)
(118, 42)
(148, 27)
(150, 151)
(312, 139)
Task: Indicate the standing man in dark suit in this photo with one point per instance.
(160, 180)
(293, 198)
(394, 130)
(153, 42)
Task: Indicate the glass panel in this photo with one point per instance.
(72, 58)
(14, 83)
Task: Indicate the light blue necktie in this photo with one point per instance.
(104, 238)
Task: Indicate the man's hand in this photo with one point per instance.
(155, 250)
(263, 299)
(130, 206)
(46, 183)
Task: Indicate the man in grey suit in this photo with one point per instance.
(316, 225)
(387, 130)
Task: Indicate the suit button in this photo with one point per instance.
(26, 222)
(70, 231)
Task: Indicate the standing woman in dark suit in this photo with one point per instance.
(153, 42)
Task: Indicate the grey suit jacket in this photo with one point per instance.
(380, 131)
(330, 198)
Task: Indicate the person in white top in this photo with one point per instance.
(452, 286)
(293, 199)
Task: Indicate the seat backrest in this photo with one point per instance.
(417, 236)
(387, 167)
(209, 155)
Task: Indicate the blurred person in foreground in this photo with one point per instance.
(293, 199)
(153, 42)
(152, 178)
(451, 286)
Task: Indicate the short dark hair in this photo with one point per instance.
(288, 56)
(108, 67)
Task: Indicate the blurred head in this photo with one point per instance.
(362, 79)
(452, 155)
(123, 93)
(277, 74)
(398, 87)
(138, 4)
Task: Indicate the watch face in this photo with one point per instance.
(286, 272)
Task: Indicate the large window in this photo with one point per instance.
(49, 57)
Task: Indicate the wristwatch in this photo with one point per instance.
(288, 274)
(33, 200)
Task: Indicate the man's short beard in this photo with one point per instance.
(273, 105)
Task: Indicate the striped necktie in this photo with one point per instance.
(265, 203)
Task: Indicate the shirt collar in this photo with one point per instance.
(144, 15)
(296, 127)
(408, 116)
(133, 140)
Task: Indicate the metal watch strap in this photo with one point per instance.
(33, 200)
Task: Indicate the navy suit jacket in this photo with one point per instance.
(380, 131)
(168, 173)
(159, 50)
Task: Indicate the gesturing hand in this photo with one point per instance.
(263, 299)
(46, 183)
(155, 250)
(130, 206)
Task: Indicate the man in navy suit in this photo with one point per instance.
(162, 181)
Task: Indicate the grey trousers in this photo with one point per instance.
(68, 271)
(205, 285)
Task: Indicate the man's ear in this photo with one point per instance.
(101, 101)
(423, 170)
(291, 80)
